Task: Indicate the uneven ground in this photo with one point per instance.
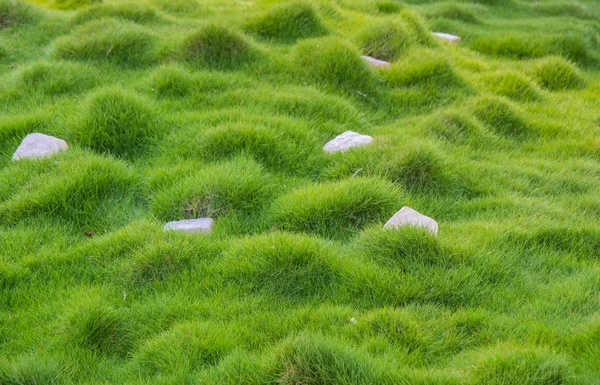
(179, 109)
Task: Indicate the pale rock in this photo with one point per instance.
(446, 36)
(409, 217)
(200, 225)
(39, 146)
(376, 63)
(346, 141)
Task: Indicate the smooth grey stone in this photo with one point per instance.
(200, 225)
(39, 146)
(446, 36)
(409, 217)
(346, 141)
(376, 63)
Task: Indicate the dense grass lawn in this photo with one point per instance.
(180, 109)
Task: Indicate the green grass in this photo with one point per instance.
(181, 109)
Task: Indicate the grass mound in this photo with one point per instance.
(172, 82)
(30, 369)
(388, 7)
(385, 40)
(14, 13)
(131, 11)
(293, 266)
(337, 208)
(96, 326)
(521, 46)
(557, 74)
(274, 149)
(423, 68)
(72, 4)
(456, 127)
(184, 348)
(217, 47)
(501, 116)
(117, 121)
(332, 62)
(401, 248)
(419, 168)
(287, 23)
(513, 85)
(509, 364)
(312, 359)
(117, 42)
(455, 11)
(74, 189)
(240, 185)
(56, 78)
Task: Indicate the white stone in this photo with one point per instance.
(376, 63)
(446, 36)
(346, 141)
(200, 225)
(409, 217)
(38, 146)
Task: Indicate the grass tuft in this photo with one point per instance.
(117, 121)
(184, 348)
(385, 40)
(94, 325)
(510, 364)
(30, 370)
(402, 248)
(501, 116)
(138, 13)
(423, 68)
(418, 168)
(521, 46)
(117, 42)
(388, 7)
(557, 74)
(336, 209)
(56, 78)
(14, 13)
(513, 85)
(72, 4)
(287, 23)
(217, 47)
(239, 185)
(172, 82)
(332, 62)
(293, 266)
(456, 127)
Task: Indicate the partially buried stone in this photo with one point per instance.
(409, 217)
(376, 63)
(39, 146)
(200, 225)
(446, 36)
(346, 141)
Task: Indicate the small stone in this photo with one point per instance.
(353, 321)
(200, 225)
(409, 217)
(446, 36)
(39, 146)
(346, 141)
(375, 63)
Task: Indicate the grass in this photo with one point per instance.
(186, 109)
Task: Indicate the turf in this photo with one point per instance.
(181, 109)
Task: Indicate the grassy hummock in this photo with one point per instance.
(185, 109)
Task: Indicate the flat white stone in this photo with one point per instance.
(200, 225)
(346, 141)
(376, 63)
(447, 37)
(38, 146)
(409, 217)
